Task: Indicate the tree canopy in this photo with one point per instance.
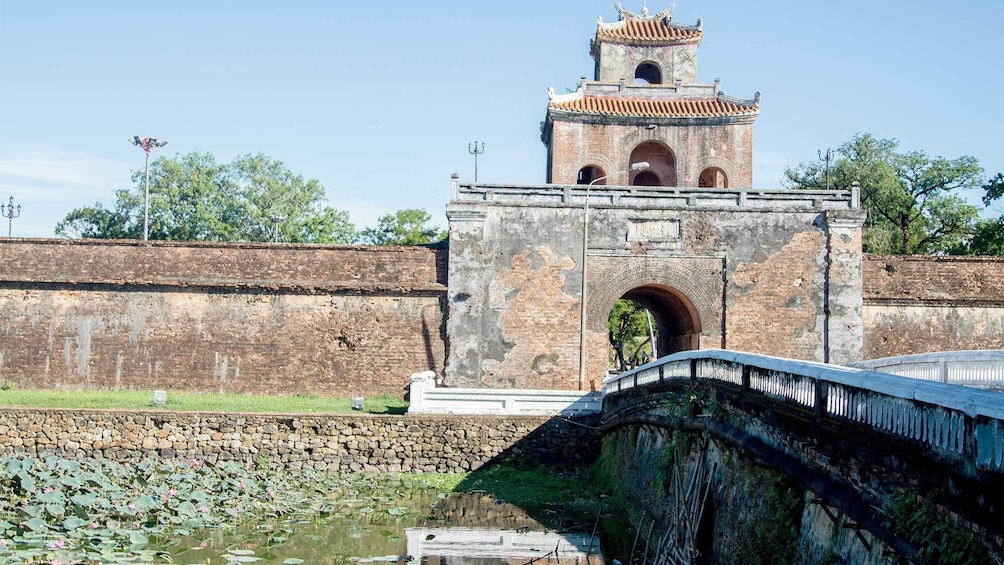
(404, 227)
(194, 198)
(630, 334)
(913, 200)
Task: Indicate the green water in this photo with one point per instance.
(398, 523)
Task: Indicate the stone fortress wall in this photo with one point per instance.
(922, 304)
(341, 321)
(245, 318)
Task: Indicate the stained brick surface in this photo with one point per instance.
(920, 304)
(236, 318)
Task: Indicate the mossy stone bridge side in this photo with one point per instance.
(855, 443)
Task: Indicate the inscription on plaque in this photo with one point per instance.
(654, 230)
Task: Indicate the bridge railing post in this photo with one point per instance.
(821, 399)
(746, 378)
(693, 370)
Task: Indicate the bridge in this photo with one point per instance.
(857, 442)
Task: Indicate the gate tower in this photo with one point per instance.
(645, 104)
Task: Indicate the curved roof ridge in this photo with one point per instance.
(684, 107)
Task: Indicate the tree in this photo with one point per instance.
(404, 227)
(912, 199)
(194, 198)
(988, 237)
(629, 335)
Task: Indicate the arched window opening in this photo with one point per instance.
(649, 322)
(589, 174)
(713, 177)
(648, 73)
(646, 178)
(661, 163)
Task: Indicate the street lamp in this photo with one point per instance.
(147, 144)
(585, 243)
(10, 212)
(473, 150)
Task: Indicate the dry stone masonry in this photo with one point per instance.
(345, 443)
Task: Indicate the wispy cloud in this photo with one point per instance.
(50, 182)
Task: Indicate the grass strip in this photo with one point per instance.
(195, 401)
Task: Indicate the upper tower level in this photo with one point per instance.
(650, 49)
(646, 104)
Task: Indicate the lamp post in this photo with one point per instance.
(473, 150)
(585, 244)
(10, 212)
(147, 144)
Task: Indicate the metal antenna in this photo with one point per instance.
(827, 158)
(8, 211)
(473, 150)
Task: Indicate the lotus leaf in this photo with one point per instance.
(13, 467)
(55, 510)
(37, 524)
(85, 500)
(72, 523)
(27, 483)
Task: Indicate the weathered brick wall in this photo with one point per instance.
(608, 146)
(425, 443)
(246, 318)
(920, 304)
(765, 273)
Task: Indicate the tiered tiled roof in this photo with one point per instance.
(668, 108)
(648, 32)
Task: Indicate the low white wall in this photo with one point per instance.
(426, 398)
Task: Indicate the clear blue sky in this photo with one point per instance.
(379, 100)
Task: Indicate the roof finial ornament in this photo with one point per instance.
(666, 14)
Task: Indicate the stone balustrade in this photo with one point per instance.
(958, 424)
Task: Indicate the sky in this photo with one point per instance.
(379, 101)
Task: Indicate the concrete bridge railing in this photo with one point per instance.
(979, 369)
(961, 424)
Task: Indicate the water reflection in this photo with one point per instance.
(483, 546)
(404, 524)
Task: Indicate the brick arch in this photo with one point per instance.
(684, 286)
(724, 165)
(661, 160)
(589, 173)
(649, 71)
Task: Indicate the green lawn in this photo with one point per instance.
(196, 402)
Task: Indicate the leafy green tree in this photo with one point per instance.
(404, 227)
(194, 198)
(629, 334)
(912, 199)
(99, 222)
(988, 237)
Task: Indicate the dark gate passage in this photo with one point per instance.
(678, 323)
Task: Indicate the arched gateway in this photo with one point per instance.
(717, 263)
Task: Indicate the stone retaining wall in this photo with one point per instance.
(338, 443)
